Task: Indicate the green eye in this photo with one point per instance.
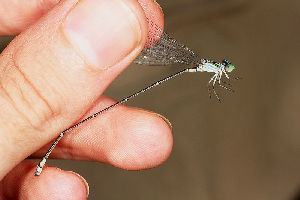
(229, 67)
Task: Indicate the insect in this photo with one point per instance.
(165, 51)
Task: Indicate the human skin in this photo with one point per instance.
(53, 75)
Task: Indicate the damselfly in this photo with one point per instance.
(162, 50)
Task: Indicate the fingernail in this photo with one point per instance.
(84, 181)
(165, 119)
(103, 31)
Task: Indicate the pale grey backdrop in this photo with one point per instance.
(246, 148)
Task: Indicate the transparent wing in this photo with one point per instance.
(161, 49)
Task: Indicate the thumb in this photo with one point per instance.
(52, 72)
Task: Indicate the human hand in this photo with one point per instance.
(53, 74)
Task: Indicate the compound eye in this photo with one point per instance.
(228, 66)
(226, 62)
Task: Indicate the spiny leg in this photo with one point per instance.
(208, 88)
(217, 77)
(224, 82)
(213, 87)
(229, 89)
(234, 79)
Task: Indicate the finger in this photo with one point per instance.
(16, 19)
(17, 15)
(153, 12)
(52, 72)
(54, 184)
(125, 137)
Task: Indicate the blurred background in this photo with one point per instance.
(248, 146)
